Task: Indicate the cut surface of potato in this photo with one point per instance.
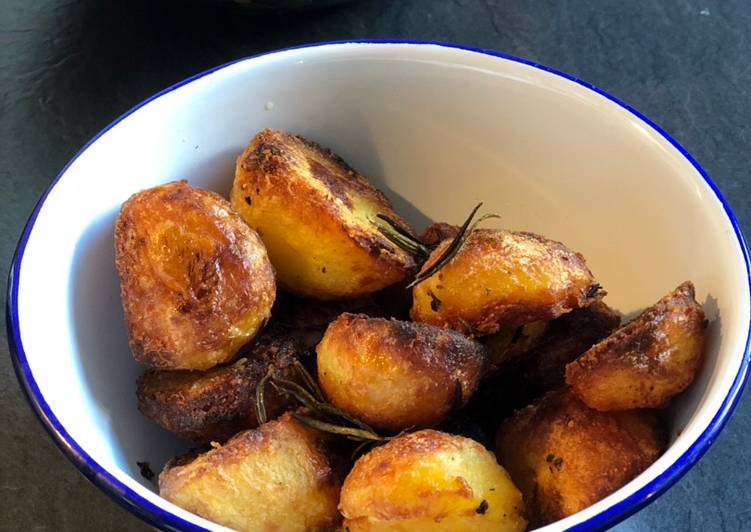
(195, 280)
(276, 477)
(430, 480)
(565, 456)
(395, 374)
(316, 216)
(214, 405)
(647, 361)
(502, 279)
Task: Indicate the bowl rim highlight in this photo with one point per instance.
(164, 519)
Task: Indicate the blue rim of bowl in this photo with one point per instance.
(166, 520)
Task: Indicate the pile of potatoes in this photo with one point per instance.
(504, 391)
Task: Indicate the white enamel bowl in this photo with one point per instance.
(438, 128)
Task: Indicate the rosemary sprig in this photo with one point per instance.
(401, 230)
(260, 401)
(400, 237)
(454, 247)
(309, 395)
(307, 400)
(360, 448)
(308, 380)
(302, 395)
(350, 432)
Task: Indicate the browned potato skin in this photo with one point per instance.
(195, 280)
(214, 405)
(279, 476)
(502, 279)
(565, 456)
(395, 374)
(647, 361)
(315, 215)
(430, 480)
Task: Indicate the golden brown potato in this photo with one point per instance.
(647, 361)
(276, 477)
(565, 456)
(502, 279)
(315, 215)
(196, 282)
(214, 405)
(396, 374)
(430, 480)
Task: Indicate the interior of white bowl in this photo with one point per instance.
(438, 129)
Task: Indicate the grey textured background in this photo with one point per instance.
(68, 68)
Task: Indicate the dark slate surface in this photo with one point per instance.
(67, 68)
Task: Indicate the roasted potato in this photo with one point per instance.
(564, 456)
(276, 477)
(196, 282)
(430, 480)
(395, 374)
(502, 279)
(214, 405)
(647, 361)
(316, 215)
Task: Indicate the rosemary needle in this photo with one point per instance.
(350, 432)
(334, 420)
(260, 401)
(454, 247)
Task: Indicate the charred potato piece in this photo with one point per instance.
(214, 405)
(532, 359)
(565, 456)
(276, 477)
(396, 374)
(430, 480)
(565, 339)
(502, 279)
(511, 344)
(196, 282)
(306, 319)
(647, 361)
(315, 215)
(437, 232)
